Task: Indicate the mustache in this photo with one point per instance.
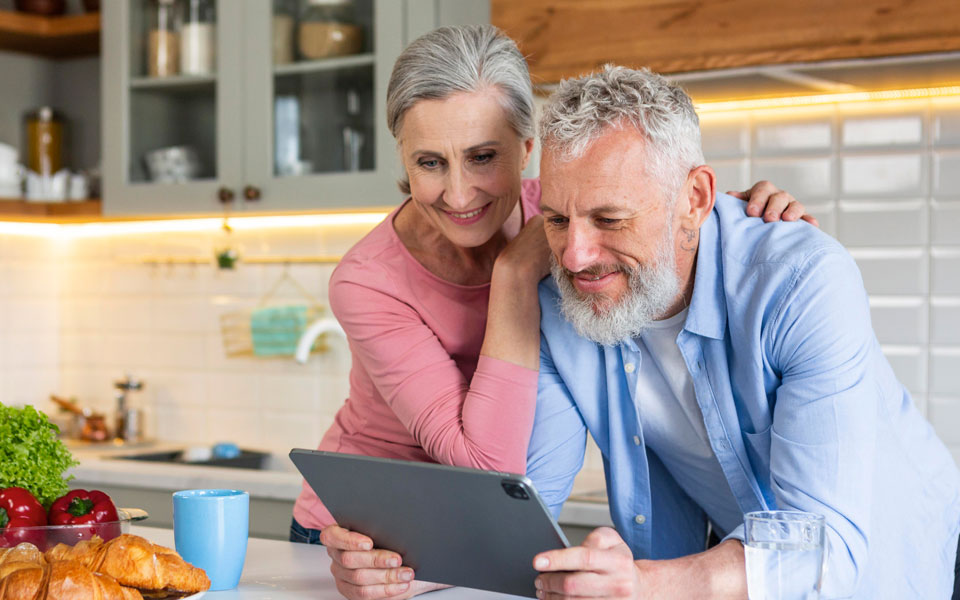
(595, 270)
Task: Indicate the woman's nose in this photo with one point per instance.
(456, 194)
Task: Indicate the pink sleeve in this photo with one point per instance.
(485, 424)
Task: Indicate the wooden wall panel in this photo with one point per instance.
(564, 38)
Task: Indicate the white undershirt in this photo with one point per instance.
(673, 424)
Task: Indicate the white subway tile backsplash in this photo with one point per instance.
(792, 137)
(945, 271)
(945, 222)
(878, 224)
(180, 423)
(945, 321)
(725, 138)
(944, 414)
(946, 174)
(945, 371)
(289, 393)
(891, 272)
(883, 131)
(882, 175)
(243, 427)
(808, 179)
(732, 175)
(909, 366)
(292, 430)
(946, 127)
(899, 321)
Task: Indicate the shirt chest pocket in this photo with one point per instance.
(758, 452)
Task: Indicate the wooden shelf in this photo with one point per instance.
(48, 212)
(53, 37)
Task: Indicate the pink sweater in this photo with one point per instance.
(419, 389)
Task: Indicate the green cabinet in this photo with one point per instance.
(262, 127)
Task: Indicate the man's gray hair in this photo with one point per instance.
(581, 109)
(468, 58)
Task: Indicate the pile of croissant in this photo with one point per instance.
(125, 568)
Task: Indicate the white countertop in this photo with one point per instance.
(278, 570)
(98, 466)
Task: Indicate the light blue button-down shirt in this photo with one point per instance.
(801, 408)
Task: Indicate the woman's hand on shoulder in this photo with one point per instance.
(527, 256)
(363, 572)
(773, 204)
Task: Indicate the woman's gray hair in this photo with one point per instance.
(468, 58)
(579, 111)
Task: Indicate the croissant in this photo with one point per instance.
(61, 580)
(24, 552)
(135, 562)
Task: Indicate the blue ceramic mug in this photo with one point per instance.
(210, 530)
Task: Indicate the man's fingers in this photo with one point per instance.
(371, 576)
(604, 538)
(579, 559)
(344, 539)
(371, 559)
(582, 585)
(371, 592)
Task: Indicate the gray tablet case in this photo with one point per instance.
(465, 527)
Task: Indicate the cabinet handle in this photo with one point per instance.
(225, 195)
(251, 193)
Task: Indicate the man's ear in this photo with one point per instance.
(700, 189)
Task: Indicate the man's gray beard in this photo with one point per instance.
(650, 292)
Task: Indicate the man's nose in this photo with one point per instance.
(582, 249)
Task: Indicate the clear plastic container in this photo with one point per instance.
(48, 536)
(329, 28)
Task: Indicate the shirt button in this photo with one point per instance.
(636, 440)
(629, 367)
(639, 519)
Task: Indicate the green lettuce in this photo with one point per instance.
(31, 456)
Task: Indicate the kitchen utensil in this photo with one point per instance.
(88, 425)
(210, 529)
(175, 164)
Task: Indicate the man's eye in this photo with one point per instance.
(557, 221)
(604, 221)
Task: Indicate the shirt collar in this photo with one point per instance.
(707, 315)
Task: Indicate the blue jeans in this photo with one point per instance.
(302, 535)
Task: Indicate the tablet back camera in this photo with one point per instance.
(515, 490)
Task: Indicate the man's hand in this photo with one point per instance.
(773, 204)
(363, 572)
(602, 567)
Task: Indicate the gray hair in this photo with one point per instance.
(581, 109)
(468, 58)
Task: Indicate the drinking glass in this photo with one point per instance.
(784, 554)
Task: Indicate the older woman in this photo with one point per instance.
(439, 301)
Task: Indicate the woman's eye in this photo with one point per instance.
(431, 163)
(483, 158)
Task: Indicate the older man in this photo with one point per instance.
(722, 365)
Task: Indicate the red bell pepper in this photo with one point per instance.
(19, 509)
(88, 513)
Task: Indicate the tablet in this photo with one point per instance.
(464, 527)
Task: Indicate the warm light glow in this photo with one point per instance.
(75, 230)
(820, 99)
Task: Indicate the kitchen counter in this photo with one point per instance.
(284, 570)
(148, 485)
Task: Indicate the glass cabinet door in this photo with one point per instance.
(174, 128)
(315, 93)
